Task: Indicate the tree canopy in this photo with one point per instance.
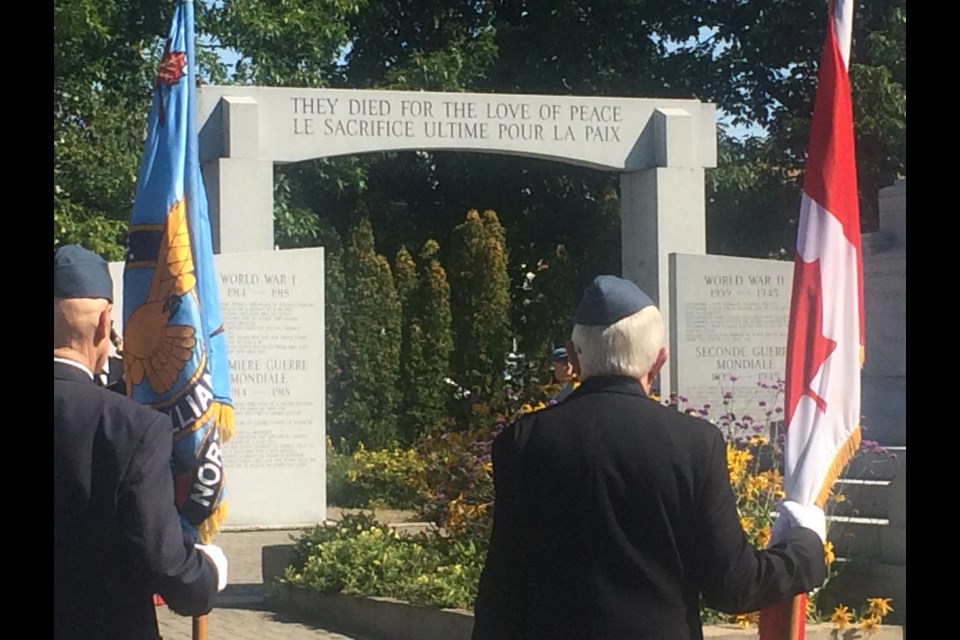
(756, 59)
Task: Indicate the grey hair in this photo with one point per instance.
(628, 347)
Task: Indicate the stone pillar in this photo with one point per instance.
(239, 185)
(884, 379)
(662, 211)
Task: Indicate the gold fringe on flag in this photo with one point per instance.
(212, 524)
(223, 420)
(843, 457)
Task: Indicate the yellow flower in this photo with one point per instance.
(828, 555)
(481, 408)
(869, 625)
(526, 408)
(763, 537)
(841, 617)
(755, 485)
(737, 460)
(878, 607)
(744, 620)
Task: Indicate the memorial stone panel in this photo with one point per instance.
(728, 333)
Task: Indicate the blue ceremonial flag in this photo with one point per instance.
(175, 351)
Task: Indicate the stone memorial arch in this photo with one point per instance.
(660, 148)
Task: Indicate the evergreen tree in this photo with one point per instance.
(404, 279)
(430, 342)
(371, 343)
(480, 305)
(333, 288)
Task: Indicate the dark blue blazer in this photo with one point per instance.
(117, 538)
(613, 515)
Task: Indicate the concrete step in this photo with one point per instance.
(876, 466)
(855, 538)
(862, 498)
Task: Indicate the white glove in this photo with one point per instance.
(793, 514)
(215, 555)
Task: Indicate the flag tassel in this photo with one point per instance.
(212, 524)
(847, 450)
(223, 420)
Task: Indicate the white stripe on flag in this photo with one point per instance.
(814, 438)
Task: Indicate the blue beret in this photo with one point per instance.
(80, 273)
(558, 355)
(609, 299)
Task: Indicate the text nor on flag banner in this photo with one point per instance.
(175, 353)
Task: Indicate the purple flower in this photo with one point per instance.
(762, 403)
(727, 395)
(758, 428)
(733, 378)
(683, 398)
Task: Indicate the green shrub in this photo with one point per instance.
(387, 478)
(361, 557)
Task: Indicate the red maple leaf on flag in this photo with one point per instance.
(808, 309)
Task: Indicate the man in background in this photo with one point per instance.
(117, 538)
(562, 377)
(111, 377)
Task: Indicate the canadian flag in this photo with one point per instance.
(825, 339)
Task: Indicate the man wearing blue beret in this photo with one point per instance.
(562, 376)
(117, 538)
(613, 514)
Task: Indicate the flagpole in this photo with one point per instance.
(199, 627)
(191, 185)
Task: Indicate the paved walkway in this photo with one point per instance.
(241, 612)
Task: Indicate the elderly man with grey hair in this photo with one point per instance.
(613, 514)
